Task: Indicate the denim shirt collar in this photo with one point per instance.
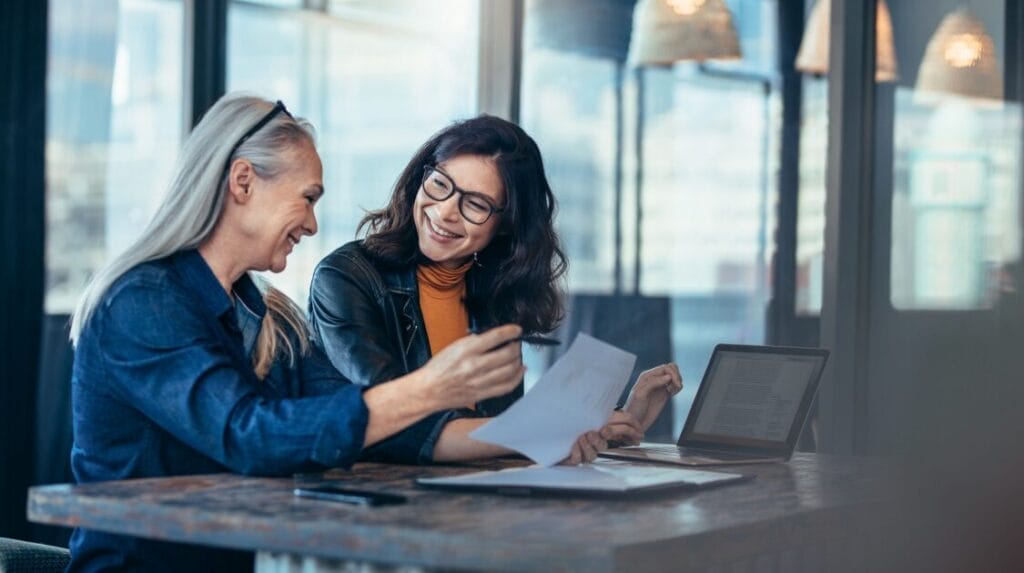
(195, 271)
(250, 324)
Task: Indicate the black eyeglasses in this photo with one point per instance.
(278, 108)
(475, 207)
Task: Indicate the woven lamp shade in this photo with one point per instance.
(961, 59)
(668, 31)
(813, 55)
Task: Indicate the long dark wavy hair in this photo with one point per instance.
(517, 275)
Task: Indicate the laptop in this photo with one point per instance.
(750, 408)
(600, 478)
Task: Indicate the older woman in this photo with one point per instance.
(184, 364)
(467, 240)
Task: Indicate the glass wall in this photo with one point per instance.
(810, 233)
(569, 108)
(114, 124)
(956, 149)
(946, 263)
(812, 62)
(375, 78)
(688, 154)
(949, 150)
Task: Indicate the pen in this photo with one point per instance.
(540, 340)
(528, 338)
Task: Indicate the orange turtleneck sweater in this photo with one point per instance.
(442, 291)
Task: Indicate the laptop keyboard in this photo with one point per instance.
(673, 450)
(663, 448)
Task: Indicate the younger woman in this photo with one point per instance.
(467, 241)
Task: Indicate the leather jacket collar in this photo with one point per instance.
(348, 286)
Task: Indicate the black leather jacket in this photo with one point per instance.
(367, 319)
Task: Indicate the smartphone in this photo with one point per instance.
(349, 495)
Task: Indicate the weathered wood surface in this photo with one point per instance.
(813, 501)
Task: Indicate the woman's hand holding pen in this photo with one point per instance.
(476, 367)
(652, 391)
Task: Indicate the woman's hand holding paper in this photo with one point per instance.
(622, 427)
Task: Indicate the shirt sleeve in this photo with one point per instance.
(413, 445)
(178, 373)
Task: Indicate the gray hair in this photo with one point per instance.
(193, 203)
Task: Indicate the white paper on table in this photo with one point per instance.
(575, 396)
(610, 476)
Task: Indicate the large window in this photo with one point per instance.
(949, 150)
(810, 237)
(702, 187)
(114, 125)
(569, 108)
(375, 78)
(956, 203)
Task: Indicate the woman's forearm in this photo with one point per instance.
(455, 445)
(396, 405)
(470, 369)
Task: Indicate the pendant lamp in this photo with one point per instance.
(814, 47)
(668, 31)
(961, 59)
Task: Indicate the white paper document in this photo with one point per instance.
(601, 476)
(576, 395)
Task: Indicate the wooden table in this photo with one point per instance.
(814, 513)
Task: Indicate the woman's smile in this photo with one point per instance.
(438, 231)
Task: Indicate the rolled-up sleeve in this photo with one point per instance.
(182, 378)
(413, 445)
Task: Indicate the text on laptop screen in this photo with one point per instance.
(754, 396)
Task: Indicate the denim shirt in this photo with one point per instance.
(163, 385)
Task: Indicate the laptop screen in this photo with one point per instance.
(754, 396)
